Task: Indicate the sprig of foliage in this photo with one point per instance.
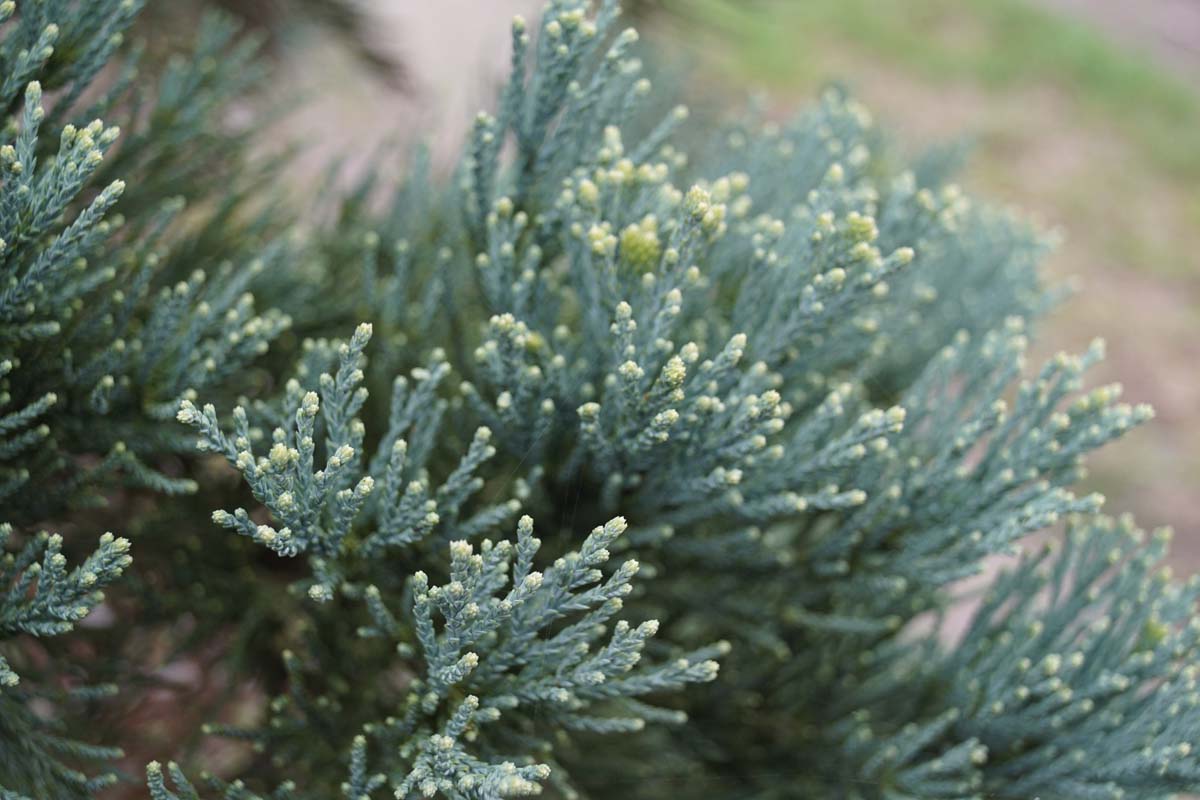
(41, 597)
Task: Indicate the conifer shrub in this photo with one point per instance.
(640, 457)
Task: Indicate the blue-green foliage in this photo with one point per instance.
(1075, 690)
(93, 328)
(101, 330)
(500, 650)
(797, 368)
(41, 597)
(178, 787)
(763, 387)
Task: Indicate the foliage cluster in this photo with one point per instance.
(763, 387)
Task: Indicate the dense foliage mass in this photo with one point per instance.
(639, 458)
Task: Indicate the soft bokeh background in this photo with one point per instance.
(1084, 112)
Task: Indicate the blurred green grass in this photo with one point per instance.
(995, 44)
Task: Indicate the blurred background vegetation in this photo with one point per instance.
(1085, 113)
